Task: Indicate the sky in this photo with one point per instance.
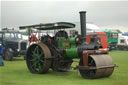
(105, 14)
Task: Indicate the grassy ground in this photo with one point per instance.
(16, 73)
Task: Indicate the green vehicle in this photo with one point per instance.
(112, 39)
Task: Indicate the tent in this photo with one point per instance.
(126, 34)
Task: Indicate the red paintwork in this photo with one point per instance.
(33, 38)
(85, 58)
(103, 37)
(89, 52)
(65, 44)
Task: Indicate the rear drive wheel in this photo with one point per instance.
(36, 59)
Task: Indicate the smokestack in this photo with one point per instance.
(83, 25)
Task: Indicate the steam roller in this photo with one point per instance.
(57, 52)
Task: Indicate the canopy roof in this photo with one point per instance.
(50, 26)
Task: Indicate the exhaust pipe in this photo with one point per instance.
(83, 26)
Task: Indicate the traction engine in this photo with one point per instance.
(58, 52)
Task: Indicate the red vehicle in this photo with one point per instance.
(103, 38)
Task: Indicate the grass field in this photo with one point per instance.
(16, 73)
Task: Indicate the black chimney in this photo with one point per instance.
(83, 25)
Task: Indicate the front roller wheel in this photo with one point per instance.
(87, 73)
(37, 60)
(102, 67)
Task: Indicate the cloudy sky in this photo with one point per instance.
(105, 14)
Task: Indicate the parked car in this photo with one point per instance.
(13, 44)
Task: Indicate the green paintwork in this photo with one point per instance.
(63, 43)
(112, 41)
(69, 46)
(37, 58)
(66, 43)
(71, 53)
(72, 41)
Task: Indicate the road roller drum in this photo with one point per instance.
(98, 66)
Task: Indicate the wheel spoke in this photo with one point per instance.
(37, 58)
(91, 63)
(39, 66)
(34, 59)
(33, 54)
(37, 50)
(40, 55)
(42, 61)
(34, 65)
